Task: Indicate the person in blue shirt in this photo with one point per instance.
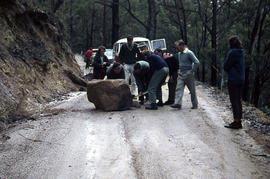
(160, 70)
(234, 65)
(173, 65)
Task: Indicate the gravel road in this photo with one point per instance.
(73, 140)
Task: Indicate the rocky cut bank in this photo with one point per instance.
(35, 61)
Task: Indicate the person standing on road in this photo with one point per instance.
(116, 71)
(128, 57)
(100, 63)
(88, 57)
(160, 70)
(173, 69)
(142, 75)
(188, 63)
(234, 65)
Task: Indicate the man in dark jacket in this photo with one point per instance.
(116, 71)
(128, 57)
(173, 73)
(160, 70)
(100, 63)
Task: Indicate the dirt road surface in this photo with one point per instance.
(73, 140)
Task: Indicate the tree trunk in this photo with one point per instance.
(115, 21)
(255, 28)
(70, 22)
(181, 30)
(57, 5)
(257, 84)
(204, 33)
(87, 44)
(152, 20)
(250, 50)
(92, 25)
(246, 84)
(51, 5)
(104, 25)
(87, 35)
(256, 91)
(184, 22)
(214, 45)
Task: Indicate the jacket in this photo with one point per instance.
(234, 65)
(156, 62)
(129, 55)
(173, 65)
(99, 71)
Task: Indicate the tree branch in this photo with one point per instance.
(202, 19)
(128, 9)
(108, 4)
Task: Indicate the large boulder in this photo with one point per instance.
(109, 95)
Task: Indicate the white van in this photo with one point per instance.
(140, 41)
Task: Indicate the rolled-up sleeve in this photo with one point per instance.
(195, 61)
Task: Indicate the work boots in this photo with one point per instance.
(160, 103)
(152, 106)
(176, 106)
(234, 125)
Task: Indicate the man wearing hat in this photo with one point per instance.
(116, 71)
(128, 55)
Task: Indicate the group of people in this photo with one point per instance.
(148, 71)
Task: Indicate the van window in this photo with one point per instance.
(143, 43)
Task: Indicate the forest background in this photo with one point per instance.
(205, 25)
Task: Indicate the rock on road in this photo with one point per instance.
(76, 141)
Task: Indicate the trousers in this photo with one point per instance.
(129, 69)
(235, 93)
(188, 81)
(154, 88)
(172, 87)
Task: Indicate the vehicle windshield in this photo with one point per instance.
(139, 44)
(109, 52)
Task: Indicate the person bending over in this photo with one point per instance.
(173, 73)
(115, 71)
(142, 76)
(160, 70)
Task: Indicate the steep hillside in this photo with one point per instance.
(34, 59)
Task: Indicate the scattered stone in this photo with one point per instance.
(109, 95)
(4, 137)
